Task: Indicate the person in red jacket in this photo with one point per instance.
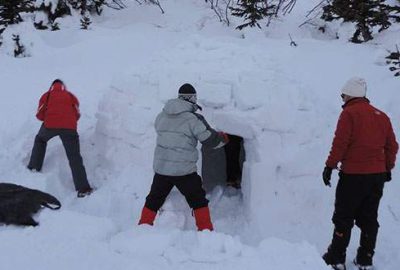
(366, 147)
(59, 111)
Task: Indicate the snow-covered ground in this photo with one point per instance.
(284, 101)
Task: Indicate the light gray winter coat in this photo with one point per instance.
(178, 129)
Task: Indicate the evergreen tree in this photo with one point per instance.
(1, 38)
(55, 26)
(10, 11)
(65, 7)
(253, 11)
(393, 59)
(19, 49)
(52, 13)
(85, 21)
(79, 5)
(97, 5)
(365, 13)
(92, 6)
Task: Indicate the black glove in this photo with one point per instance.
(388, 176)
(326, 176)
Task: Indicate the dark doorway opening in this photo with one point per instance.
(224, 166)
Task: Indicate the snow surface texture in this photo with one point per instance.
(284, 101)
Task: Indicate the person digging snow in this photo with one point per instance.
(59, 111)
(179, 129)
(366, 146)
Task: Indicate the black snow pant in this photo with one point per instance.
(70, 140)
(232, 153)
(189, 185)
(357, 200)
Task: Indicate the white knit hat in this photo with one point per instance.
(355, 87)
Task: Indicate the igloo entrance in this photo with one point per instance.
(224, 166)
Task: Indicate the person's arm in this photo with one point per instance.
(75, 105)
(341, 140)
(40, 113)
(205, 134)
(391, 148)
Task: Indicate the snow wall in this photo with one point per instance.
(283, 101)
(269, 108)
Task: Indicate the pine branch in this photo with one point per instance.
(116, 4)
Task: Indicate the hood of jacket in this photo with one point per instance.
(177, 106)
(57, 87)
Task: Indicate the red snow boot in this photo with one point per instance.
(203, 219)
(147, 216)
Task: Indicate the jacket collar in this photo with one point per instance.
(355, 101)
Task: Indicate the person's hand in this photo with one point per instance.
(326, 176)
(388, 176)
(224, 136)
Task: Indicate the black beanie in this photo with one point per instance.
(188, 93)
(187, 89)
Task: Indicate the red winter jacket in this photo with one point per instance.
(364, 141)
(58, 108)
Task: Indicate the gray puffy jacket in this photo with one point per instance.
(178, 129)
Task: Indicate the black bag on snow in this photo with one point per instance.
(18, 204)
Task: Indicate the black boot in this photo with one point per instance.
(333, 261)
(363, 263)
(336, 261)
(366, 252)
(364, 259)
(336, 254)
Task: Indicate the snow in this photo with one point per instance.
(284, 101)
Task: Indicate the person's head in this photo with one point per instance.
(188, 93)
(57, 84)
(354, 88)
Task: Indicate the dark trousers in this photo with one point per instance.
(70, 140)
(232, 153)
(189, 185)
(357, 200)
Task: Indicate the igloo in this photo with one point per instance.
(265, 108)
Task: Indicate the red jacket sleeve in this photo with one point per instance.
(75, 105)
(42, 107)
(391, 148)
(341, 140)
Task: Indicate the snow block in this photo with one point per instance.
(215, 94)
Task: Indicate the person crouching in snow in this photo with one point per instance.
(178, 129)
(59, 111)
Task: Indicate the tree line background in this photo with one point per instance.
(367, 16)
